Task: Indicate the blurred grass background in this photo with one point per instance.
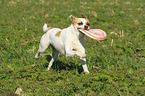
(117, 64)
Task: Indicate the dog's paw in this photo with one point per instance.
(36, 57)
(48, 69)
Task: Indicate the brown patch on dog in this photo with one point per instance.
(50, 28)
(87, 22)
(84, 16)
(58, 33)
(76, 20)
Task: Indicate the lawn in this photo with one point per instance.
(116, 64)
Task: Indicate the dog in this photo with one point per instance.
(68, 41)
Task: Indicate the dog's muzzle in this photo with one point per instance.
(86, 27)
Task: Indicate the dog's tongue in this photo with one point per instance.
(97, 34)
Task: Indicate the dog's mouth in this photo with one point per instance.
(87, 29)
(81, 31)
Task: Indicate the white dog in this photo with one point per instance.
(69, 41)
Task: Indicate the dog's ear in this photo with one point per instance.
(84, 16)
(71, 16)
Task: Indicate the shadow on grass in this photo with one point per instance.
(59, 65)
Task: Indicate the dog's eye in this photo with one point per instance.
(88, 24)
(81, 23)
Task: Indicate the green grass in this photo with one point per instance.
(116, 68)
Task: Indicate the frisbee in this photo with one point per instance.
(97, 34)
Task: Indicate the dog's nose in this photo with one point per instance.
(86, 26)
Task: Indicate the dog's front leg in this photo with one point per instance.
(84, 65)
(79, 52)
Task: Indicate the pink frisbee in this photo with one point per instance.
(97, 34)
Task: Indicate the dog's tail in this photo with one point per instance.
(45, 27)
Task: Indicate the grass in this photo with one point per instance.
(117, 64)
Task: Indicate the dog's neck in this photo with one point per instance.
(75, 32)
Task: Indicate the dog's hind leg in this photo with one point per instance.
(44, 43)
(55, 54)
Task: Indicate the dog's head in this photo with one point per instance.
(81, 23)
